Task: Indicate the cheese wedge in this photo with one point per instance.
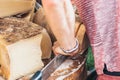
(13, 7)
(20, 47)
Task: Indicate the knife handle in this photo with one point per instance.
(37, 76)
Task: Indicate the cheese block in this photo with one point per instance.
(70, 70)
(20, 47)
(13, 7)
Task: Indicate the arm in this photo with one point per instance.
(60, 16)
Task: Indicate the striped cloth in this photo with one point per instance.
(102, 21)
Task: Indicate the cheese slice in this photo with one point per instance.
(13, 7)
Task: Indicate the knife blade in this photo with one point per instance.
(49, 68)
(37, 6)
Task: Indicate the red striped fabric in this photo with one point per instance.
(102, 21)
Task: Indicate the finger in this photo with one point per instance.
(55, 45)
(54, 51)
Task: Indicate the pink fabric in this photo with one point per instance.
(102, 21)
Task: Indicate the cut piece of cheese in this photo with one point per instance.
(20, 47)
(12, 7)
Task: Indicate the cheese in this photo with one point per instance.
(13, 7)
(20, 47)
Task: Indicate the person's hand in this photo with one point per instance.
(57, 50)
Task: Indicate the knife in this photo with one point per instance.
(49, 68)
(37, 6)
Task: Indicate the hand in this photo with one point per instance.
(57, 50)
